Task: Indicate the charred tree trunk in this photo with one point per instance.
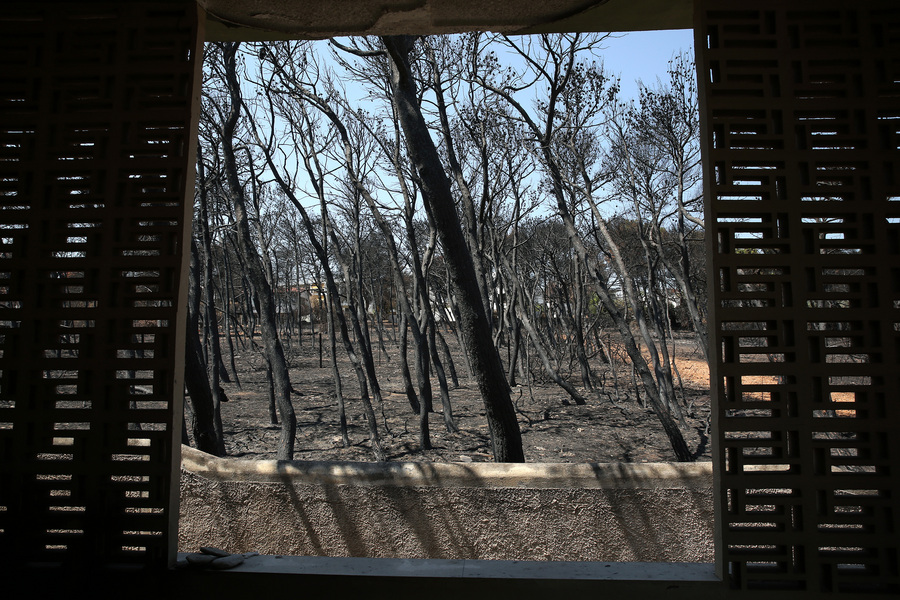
(255, 270)
(449, 422)
(487, 369)
(404, 365)
(214, 356)
(207, 435)
(332, 353)
(448, 358)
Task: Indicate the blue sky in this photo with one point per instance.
(630, 56)
(644, 55)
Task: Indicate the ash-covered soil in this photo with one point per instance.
(612, 426)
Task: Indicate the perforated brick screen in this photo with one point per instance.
(803, 175)
(95, 125)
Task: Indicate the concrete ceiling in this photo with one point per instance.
(251, 20)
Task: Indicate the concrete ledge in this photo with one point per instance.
(477, 511)
(483, 569)
(520, 475)
(390, 579)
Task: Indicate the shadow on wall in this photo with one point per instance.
(660, 512)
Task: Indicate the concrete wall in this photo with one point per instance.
(599, 512)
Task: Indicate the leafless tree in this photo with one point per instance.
(573, 94)
(226, 66)
(487, 369)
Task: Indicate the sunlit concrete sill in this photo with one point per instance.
(495, 475)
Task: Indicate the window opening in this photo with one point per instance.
(308, 106)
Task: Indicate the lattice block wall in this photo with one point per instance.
(802, 134)
(95, 130)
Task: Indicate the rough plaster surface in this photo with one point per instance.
(277, 19)
(648, 521)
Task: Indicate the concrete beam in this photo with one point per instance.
(292, 19)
